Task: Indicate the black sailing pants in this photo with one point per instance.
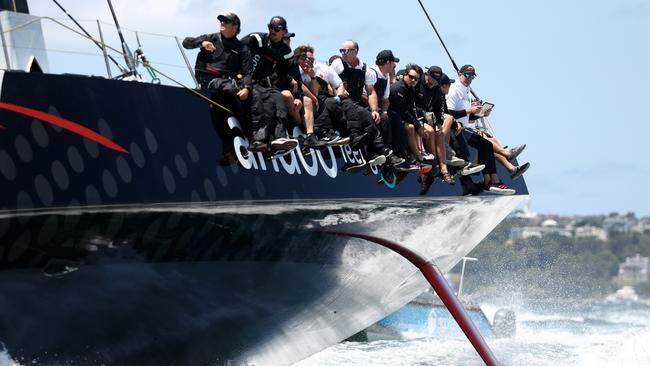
(482, 146)
(269, 115)
(224, 91)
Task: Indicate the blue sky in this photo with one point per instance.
(568, 78)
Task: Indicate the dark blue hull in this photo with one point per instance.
(122, 241)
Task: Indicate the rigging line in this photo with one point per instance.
(128, 56)
(139, 31)
(196, 93)
(444, 45)
(83, 53)
(87, 34)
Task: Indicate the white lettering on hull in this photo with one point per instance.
(294, 161)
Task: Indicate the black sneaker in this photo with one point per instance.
(519, 171)
(394, 160)
(312, 141)
(515, 151)
(357, 140)
(332, 138)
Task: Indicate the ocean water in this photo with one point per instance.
(550, 334)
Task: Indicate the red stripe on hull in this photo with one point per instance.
(65, 124)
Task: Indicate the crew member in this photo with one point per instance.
(221, 58)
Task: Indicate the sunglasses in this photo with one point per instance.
(226, 21)
(304, 57)
(413, 77)
(469, 75)
(345, 51)
(275, 27)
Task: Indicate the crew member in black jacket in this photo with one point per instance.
(403, 112)
(221, 59)
(271, 59)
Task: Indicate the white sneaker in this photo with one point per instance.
(500, 188)
(472, 168)
(428, 156)
(377, 160)
(284, 144)
(455, 161)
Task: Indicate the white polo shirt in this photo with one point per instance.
(324, 72)
(459, 98)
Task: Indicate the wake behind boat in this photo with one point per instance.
(123, 241)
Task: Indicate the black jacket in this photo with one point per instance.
(431, 100)
(402, 102)
(270, 60)
(230, 58)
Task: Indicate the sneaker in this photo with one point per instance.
(259, 146)
(455, 161)
(284, 144)
(409, 167)
(429, 157)
(311, 141)
(514, 152)
(330, 137)
(356, 140)
(519, 171)
(354, 167)
(426, 180)
(377, 160)
(472, 168)
(394, 160)
(500, 188)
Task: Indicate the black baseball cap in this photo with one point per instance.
(278, 20)
(467, 68)
(231, 17)
(444, 79)
(436, 73)
(386, 55)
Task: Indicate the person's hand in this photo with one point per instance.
(473, 109)
(376, 116)
(428, 116)
(487, 113)
(243, 94)
(208, 46)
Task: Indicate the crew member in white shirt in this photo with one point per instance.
(459, 98)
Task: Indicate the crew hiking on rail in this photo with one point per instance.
(412, 120)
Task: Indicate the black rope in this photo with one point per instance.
(444, 45)
(89, 36)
